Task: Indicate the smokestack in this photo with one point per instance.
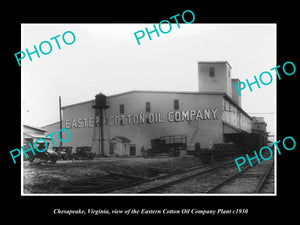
(60, 122)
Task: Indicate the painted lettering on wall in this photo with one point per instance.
(146, 118)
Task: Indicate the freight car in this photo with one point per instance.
(216, 150)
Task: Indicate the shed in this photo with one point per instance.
(32, 134)
(119, 145)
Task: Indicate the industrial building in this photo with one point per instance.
(211, 115)
(33, 134)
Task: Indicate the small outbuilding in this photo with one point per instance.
(119, 145)
(34, 134)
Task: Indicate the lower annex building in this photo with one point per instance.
(211, 115)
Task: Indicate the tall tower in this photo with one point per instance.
(214, 76)
(235, 96)
(98, 136)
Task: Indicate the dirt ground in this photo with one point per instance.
(47, 177)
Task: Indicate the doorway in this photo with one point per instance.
(132, 150)
(112, 148)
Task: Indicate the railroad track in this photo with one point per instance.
(93, 185)
(122, 183)
(130, 186)
(172, 179)
(116, 181)
(125, 183)
(264, 179)
(225, 179)
(261, 178)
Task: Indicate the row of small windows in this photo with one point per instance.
(148, 106)
(228, 107)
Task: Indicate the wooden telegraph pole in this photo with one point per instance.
(60, 123)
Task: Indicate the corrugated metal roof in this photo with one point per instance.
(35, 136)
(34, 127)
(212, 62)
(172, 92)
(159, 92)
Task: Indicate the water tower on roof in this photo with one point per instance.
(100, 101)
(98, 136)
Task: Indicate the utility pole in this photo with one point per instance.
(60, 122)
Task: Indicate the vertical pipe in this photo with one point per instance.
(60, 122)
(101, 133)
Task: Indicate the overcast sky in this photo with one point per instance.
(106, 58)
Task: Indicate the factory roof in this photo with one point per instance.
(210, 62)
(121, 139)
(146, 91)
(35, 136)
(34, 127)
(169, 92)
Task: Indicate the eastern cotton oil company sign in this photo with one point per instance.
(146, 118)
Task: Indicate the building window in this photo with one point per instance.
(122, 109)
(176, 104)
(211, 71)
(228, 73)
(148, 107)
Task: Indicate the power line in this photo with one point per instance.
(263, 113)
